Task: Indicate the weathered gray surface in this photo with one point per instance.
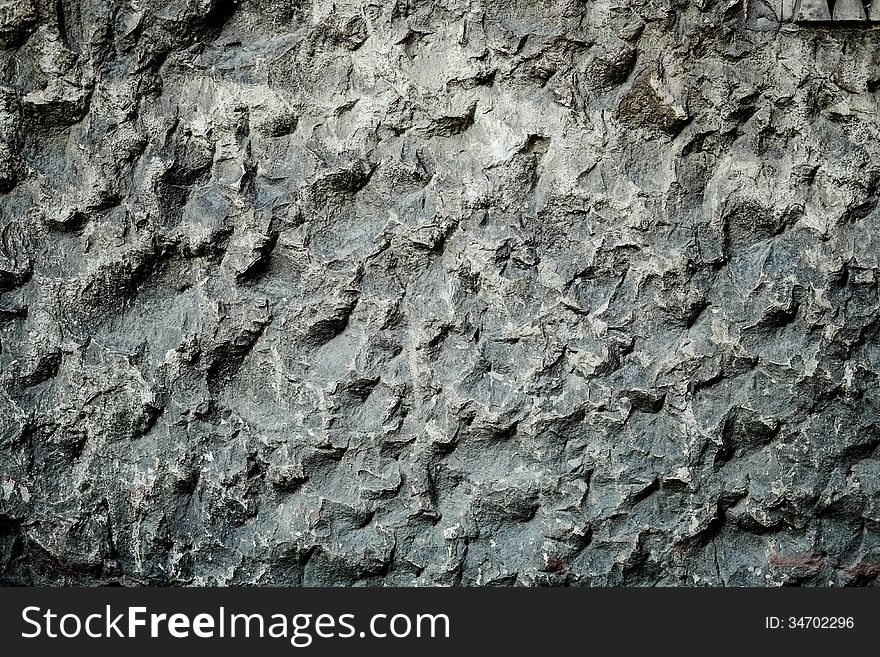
(414, 292)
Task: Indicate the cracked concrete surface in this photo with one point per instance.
(449, 292)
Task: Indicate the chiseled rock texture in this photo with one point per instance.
(437, 292)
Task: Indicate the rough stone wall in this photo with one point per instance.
(450, 292)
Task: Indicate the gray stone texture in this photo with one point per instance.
(451, 292)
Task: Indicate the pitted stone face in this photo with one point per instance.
(845, 13)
